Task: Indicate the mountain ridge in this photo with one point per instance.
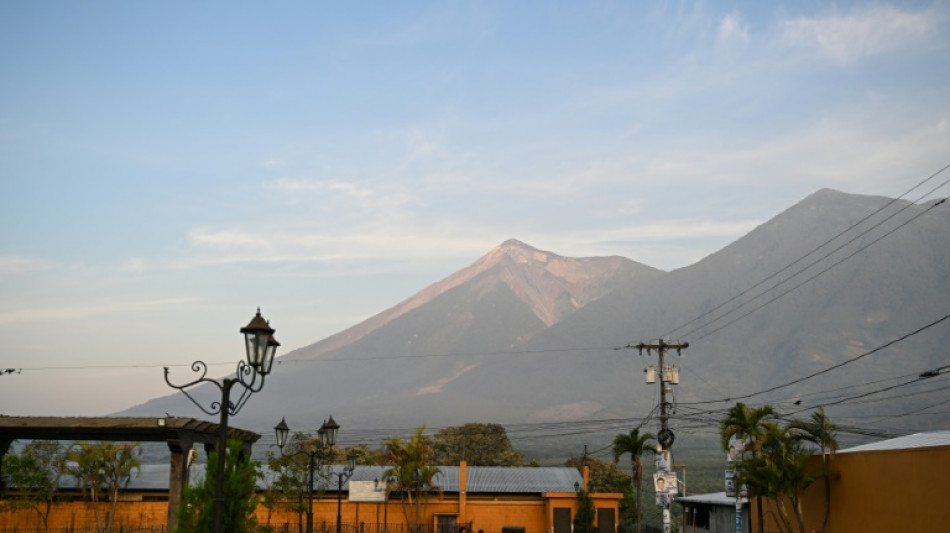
(526, 336)
(580, 279)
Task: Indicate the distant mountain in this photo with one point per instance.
(527, 336)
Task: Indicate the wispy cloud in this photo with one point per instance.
(13, 264)
(866, 32)
(73, 313)
(133, 264)
(732, 28)
(333, 186)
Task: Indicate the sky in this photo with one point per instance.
(169, 167)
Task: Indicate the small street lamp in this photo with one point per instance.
(315, 453)
(261, 347)
(342, 477)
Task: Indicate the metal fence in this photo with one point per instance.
(84, 530)
(345, 527)
(283, 527)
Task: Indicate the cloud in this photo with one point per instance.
(75, 313)
(861, 34)
(14, 264)
(731, 28)
(334, 186)
(133, 264)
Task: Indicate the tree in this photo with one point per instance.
(196, 513)
(603, 474)
(634, 444)
(584, 518)
(291, 469)
(477, 444)
(819, 431)
(780, 473)
(86, 469)
(748, 425)
(413, 475)
(35, 473)
(102, 469)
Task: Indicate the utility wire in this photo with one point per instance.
(829, 369)
(282, 361)
(811, 278)
(814, 250)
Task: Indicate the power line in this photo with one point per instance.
(809, 279)
(812, 251)
(829, 369)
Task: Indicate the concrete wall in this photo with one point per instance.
(486, 513)
(883, 491)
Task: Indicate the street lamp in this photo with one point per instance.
(261, 347)
(342, 477)
(326, 438)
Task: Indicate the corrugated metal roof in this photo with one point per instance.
(494, 479)
(713, 498)
(917, 440)
(481, 479)
(513, 479)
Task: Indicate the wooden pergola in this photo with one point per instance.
(180, 434)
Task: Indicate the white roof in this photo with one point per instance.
(917, 440)
(713, 498)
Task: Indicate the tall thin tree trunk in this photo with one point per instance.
(638, 480)
(799, 515)
(824, 519)
(758, 506)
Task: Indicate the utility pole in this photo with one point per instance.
(669, 376)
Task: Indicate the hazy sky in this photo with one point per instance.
(167, 167)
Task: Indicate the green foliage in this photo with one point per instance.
(820, 432)
(749, 425)
(634, 444)
(584, 518)
(630, 510)
(288, 489)
(35, 473)
(604, 475)
(413, 474)
(478, 444)
(777, 467)
(196, 514)
(103, 469)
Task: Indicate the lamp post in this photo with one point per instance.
(326, 438)
(261, 347)
(341, 477)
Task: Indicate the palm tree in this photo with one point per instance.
(104, 466)
(819, 431)
(86, 468)
(780, 472)
(634, 444)
(120, 461)
(413, 474)
(749, 425)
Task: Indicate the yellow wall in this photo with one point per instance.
(485, 513)
(80, 514)
(883, 491)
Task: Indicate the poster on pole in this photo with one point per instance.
(663, 460)
(736, 449)
(366, 491)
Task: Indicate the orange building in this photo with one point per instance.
(494, 500)
(900, 484)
